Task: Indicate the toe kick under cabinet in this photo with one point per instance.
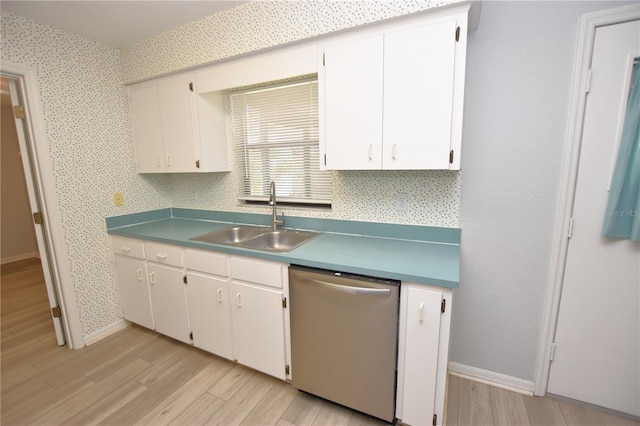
(231, 306)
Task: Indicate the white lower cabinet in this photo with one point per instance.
(233, 307)
(259, 310)
(134, 290)
(423, 348)
(168, 301)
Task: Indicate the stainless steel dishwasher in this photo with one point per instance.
(344, 338)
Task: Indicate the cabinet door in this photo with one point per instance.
(421, 355)
(134, 291)
(176, 110)
(419, 68)
(168, 301)
(209, 314)
(350, 94)
(147, 129)
(258, 323)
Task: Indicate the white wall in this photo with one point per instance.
(519, 67)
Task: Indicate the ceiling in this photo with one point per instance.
(116, 22)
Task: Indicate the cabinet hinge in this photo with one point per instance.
(191, 335)
(435, 420)
(191, 86)
(325, 159)
(184, 279)
(323, 62)
(451, 157)
(286, 370)
(37, 218)
(443, 305)
(197, 164)
(56, 312)
(284, 302)
(458, 34)
(18, 112)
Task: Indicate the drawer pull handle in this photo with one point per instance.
(139, 273)
(161, 256)
(125, 249)
(421, 312)
(239, 300)
(152, 277)
(219, 295)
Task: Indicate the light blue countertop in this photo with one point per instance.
(420, 254)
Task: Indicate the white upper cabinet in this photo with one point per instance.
(391, 98)
(176, 131)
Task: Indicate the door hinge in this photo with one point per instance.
(191, 86)
(284, 302)
(458, 34)
(56, 312)
(325, 159)
(443, 305)
(197, 164)
(18, 112)
(570, 230)
(184, 279)
(191, 335)
(323, 56)
(286, 370)
(451, 157)
(435, 420)
(37, 218)
(587, 82)
(552, 352)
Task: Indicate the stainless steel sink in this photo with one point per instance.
(279, 240)
(257, 238)
(233, 235)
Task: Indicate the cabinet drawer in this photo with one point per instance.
(265, 273)
(128, 247)
(203, 261)
(162, 253)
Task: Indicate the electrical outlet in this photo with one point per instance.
(118, 199)
(402, 202)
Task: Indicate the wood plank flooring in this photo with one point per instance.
(136, 376)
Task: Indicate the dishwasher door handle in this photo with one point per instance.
(352, 289)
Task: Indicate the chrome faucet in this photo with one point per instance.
(272, 202)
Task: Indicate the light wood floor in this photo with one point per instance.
(136, 376)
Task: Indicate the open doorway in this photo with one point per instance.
(29, 297)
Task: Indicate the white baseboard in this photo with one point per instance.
(101, 334)
(492, 378)
(19, 257)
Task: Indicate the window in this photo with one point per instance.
(275, 131)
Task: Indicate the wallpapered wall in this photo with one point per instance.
(434, 197)
(86, 119)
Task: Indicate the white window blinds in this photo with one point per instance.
(275, 132)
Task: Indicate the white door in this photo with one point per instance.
(147, 129)
(209, 314)
(258, 323)
(134, 291)
(419, 73)
(597, 340)
(169, 302)
(32, 189)
(350, 95)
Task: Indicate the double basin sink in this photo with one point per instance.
(257, 238)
